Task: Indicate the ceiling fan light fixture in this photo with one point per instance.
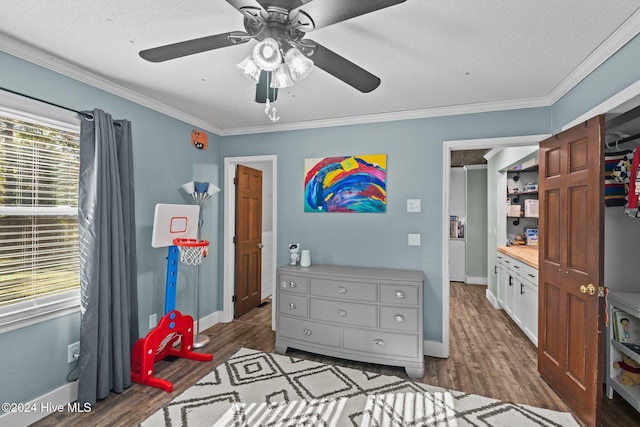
(267, 54)
(249, 69)
(299, 65)
(281, 78)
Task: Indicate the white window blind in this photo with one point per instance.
(39, 264)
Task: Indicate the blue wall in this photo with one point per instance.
(33, 360)
(414, 171)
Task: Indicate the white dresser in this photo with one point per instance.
(372, 315)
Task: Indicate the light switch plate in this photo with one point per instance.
(414, 240)
(413, 205)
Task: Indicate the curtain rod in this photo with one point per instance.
(86, 115)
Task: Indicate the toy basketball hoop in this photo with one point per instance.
(191, 250)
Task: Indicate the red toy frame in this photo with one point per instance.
(158, 344)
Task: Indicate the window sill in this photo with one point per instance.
(41, 311)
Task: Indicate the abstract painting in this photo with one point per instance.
(346, 184)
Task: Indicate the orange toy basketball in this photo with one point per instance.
(199, 139)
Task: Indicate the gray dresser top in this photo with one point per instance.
(372, 273)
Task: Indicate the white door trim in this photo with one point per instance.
(229, 228)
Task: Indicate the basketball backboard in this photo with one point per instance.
(172, 222)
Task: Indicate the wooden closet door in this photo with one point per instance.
(570, 348)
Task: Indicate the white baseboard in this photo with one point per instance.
(58, 400)
(208, 321)
(62, 398)
(493, 300)
(470, 280)
(434, 349)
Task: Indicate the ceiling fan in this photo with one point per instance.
(286, 22)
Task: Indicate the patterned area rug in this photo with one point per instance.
(251, 376)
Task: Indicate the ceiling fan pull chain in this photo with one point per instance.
(267, 106)
(273, 116)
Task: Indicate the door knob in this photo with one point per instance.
(589, 289)
(260, 245)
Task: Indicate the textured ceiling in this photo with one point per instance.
(433, 57)
(461, 158)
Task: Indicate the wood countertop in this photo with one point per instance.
(526, 254)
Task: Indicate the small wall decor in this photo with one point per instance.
(346, 184)
(199, 139)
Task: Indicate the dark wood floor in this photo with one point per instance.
(489, 356)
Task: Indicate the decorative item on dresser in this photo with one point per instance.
(372, 315)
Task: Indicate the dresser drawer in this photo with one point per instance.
(376, 342)
(345, 313)
(311, 332)
(344, 290)
(291, 283)
(399, 294)
(399, 318)
(293, 305)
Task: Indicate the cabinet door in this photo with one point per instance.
(517, 312)
(503, 278)
(509, 293)
(530, 319)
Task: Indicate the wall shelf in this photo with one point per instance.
(630, 303)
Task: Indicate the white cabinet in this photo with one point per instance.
(517, 287)
(374, 315)
(530, 303)
(630, 303)
(457, 260)
(503, 277)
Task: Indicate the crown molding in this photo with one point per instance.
(453, 110)
(49, 61)
(623, 34)
(617, 40)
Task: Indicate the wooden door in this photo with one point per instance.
(248, 239)
(571, 224)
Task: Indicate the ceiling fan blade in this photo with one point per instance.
(327, 12)
(249, 8)
(285, 4)
(189, 47)
(341, 67)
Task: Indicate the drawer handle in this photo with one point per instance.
(342, 290)
(342, 313)
(292, 284)
(531, 275)
(379, 342)
(399, 294)
(292, 305)
(307, 332)
(399, 318)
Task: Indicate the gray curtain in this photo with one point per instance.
(108, 275)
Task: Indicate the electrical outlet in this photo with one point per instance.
(153, 320)
(72, 350)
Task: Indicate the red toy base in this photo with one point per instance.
(159, 343)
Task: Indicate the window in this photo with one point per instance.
(39, 263)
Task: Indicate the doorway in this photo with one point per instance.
(268, 165)
(448, 147)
